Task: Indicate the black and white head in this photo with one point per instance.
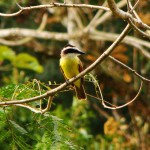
(71, 50)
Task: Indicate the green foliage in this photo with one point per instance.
(6, 53)
(54, 134)
(48, 131)
(7, 2)
(17, 127)
(22, 60)
(20, 91)
(26, 61)
(43, 132)
(70, 124)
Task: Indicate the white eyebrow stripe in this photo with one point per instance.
(69, 47)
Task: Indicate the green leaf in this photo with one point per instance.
(18, 127)
(7, 91)
(19, 91)
(26, 61)
(6, 53)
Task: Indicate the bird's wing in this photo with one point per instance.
(80, 70)
(62, 72)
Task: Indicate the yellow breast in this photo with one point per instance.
(70, 67)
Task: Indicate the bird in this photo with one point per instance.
(71, 66)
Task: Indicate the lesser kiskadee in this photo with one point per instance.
(71, 66)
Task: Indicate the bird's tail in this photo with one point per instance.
(80, 92)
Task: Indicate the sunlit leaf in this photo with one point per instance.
(26, 61)
(6, 53)
(127, 78)
(110, 126)
(119, 53)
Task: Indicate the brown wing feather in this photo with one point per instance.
(81, 69)
(80, 92)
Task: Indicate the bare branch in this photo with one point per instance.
(144, 34)
(125, 15)
(100, 111)
(62, 86)
(28, 38)
(95, 35)
(130, 69)
(129, 40)
(48, 105)
(108, 14)
(39, 89)
(143, 51)
(11, 15)
(94, 20)
(132, 9)
(118, 107)
(104, 102)
(35, 110)
(37, 34)
(111, 3)
(22, 9)
(62, 36)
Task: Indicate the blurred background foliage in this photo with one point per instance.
(71, 124)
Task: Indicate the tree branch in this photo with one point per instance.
(22, 9)
(111, 3)
(108, 14)
(118, 107)
(62, 86)
(95, 35)
(130, 69)
(125, 15)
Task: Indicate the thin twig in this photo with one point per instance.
(26, 39)
(108, 14)
(48, 105)
(114, 107)
(144, 34)
(18, 4)
(111, 3)
(35, 110)
(94, 35)
(22, 9)
(118, 107)
(70, 81)
(132, 41)
(130, 69)
(132, 9)
(125, 15)
(100, 100)
(100, 111)
(94, 20)
(39, 88)
(15, 91)
(97, 85)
